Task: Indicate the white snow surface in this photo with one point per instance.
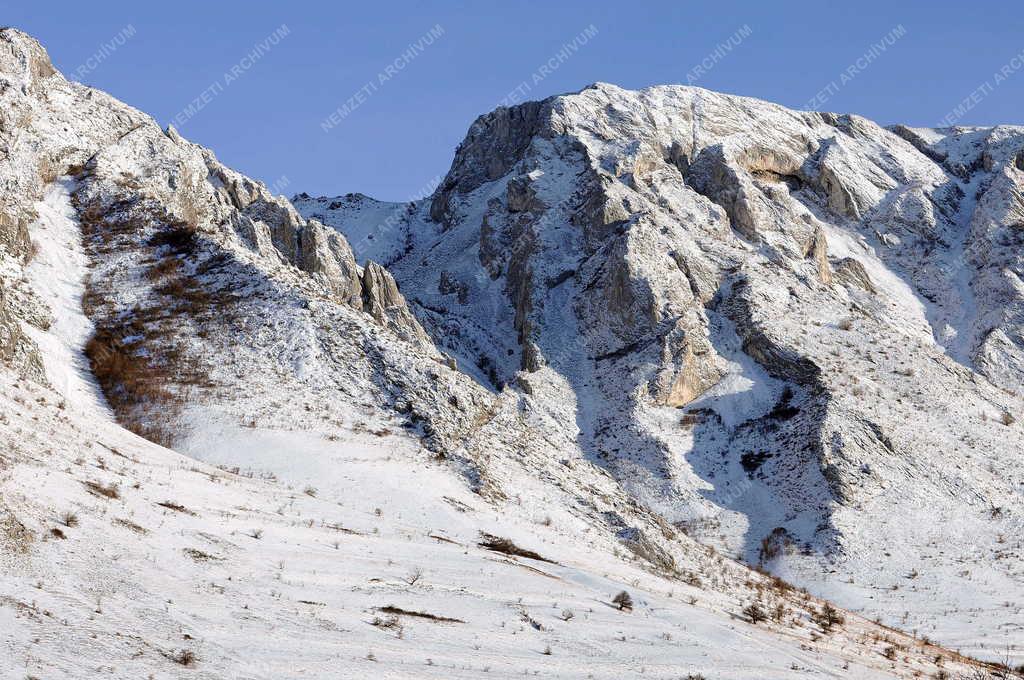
(56, 274)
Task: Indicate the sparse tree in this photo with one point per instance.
(623, 601)
(828, 616)
(755, 613)
(414, 576)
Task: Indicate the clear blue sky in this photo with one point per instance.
(267, 122)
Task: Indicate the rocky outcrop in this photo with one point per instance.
(325, 254)
(689, 364)
(818, 252)
(16, 349)
(495, 142)
(14, 238)
(382, 300)
(520, 196)
(851, 272)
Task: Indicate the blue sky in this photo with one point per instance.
(272, 120)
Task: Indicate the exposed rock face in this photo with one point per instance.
(493, 145)
(16, 349)
(383, 302)
(851, 272)
(818, 251)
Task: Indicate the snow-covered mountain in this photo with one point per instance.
(797, 335)
(632, 336)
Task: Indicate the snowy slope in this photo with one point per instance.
(128, 560)
(834, 307)
(377, 230)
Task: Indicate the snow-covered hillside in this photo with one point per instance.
(237, 445)
(797, 336)
(343, 556)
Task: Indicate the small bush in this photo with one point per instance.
(828, 616)
(755, 613)
(176, 507)
(179, 239)
(107, 491)
(69, 519)
(185, 657)
(623, 601)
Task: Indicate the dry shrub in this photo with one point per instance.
(105, 490)
(130, 525)
(179, 238)
(506, 546)
(163, 268)
(828, 616)
(177, 507)
(755, 613)
(184, 657)
(398, 611)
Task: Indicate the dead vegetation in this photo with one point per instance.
(182, 657)
(398, 611)
(755, 613)
(138, 355)
(507, 547)
(130, 525)
(176, 507)
(105, 490)
(200, 556)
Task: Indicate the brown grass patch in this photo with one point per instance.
(135, 386)
(200, 556)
